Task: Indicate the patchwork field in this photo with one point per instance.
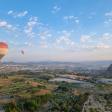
(26, 91)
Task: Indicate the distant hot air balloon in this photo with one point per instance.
(3, 49)
(22, 52)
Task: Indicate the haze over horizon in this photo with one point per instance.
(56, 30)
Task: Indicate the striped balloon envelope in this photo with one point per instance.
(3, 49)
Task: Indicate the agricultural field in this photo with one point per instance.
(26, 91)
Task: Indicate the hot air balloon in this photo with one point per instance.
(22, 52)
(3, 49)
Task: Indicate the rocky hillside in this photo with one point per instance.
(109, 71)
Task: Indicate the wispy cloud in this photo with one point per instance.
(85, 38)
(17, 14)
(108, 14)
(102, 46)
(6, 25)
(71, 19)
(32, 22)
(64, 41)
(96, 47)
(108, 19)
(89, 42)
(56, 9)
(44, 34)
(106, 37)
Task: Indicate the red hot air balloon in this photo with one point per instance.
(3, 49)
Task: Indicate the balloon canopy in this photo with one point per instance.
(22, 52)
(3, 49)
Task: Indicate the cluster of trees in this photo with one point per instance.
(28, 105)
(93, 110)
(108, 98)
(57, 102)
(67, 103)
(66, 87)
(3, 76)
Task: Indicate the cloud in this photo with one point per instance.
(108, 19)
(108, 14)
(44, 34)
(17, 14)
(106, 37)
(35, 28)
(102, 46)
(10, 12)
(33, 21)
(85, 38)
(6, 25)
(91, 48)
(64, 40)
(89, 42)
(56, 9)
(28, 44)
(71, 19)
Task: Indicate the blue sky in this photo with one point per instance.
(56, 30)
